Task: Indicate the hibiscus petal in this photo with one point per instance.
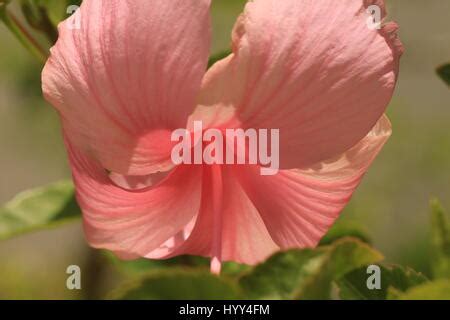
(244, 237)
(313, 69)
(260, 214)
(133, 222)
(127, 77)
(299, 206)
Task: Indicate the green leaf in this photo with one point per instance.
(353, 286)
(38, 208)
(308, 273)
(440, 239)
(345, 229)
(281, 274)
(444, 73)
(178, 284)
(345, 255)
(436, 290)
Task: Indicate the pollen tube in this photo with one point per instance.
(217, 207)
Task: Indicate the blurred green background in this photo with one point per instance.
(392, 202)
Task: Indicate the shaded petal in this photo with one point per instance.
(128, 77)
(133, 223)
(299, 206)
(312, 69)
(245, 238)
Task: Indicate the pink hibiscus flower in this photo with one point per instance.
(135, 71)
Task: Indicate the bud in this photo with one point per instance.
(38, 18)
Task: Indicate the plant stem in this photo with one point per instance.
(27, 40)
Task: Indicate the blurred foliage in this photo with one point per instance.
(178, 284)
(440, 241)
(56, 10)
(436, 290)
(38, 17)
(135, 268)
(39, 208)
(21, 33)
(444, 73)
(42, 17)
